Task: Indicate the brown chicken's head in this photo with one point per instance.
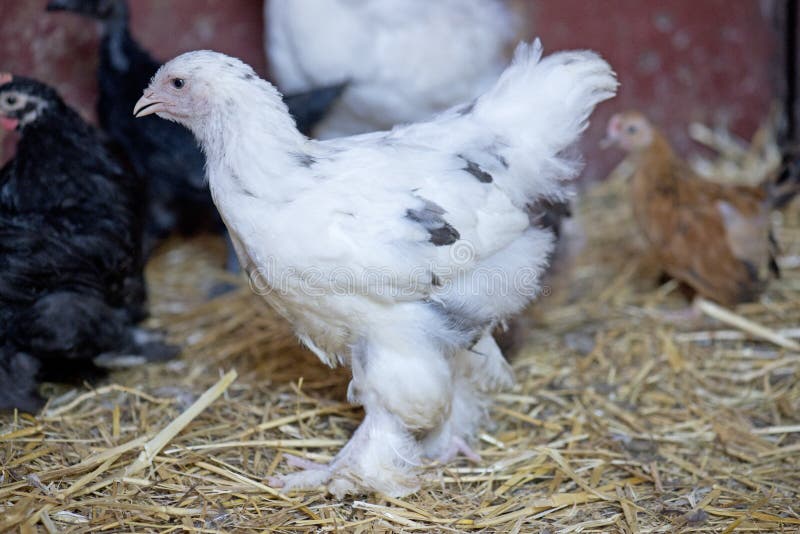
(630, 131)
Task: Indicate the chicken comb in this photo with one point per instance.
(5, 77)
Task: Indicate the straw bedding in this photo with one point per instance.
(619, 422)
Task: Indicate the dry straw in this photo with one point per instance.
(618, 423)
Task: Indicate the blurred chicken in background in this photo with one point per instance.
(715, 238)
(71, 283)
(163, 153)
(405, 60)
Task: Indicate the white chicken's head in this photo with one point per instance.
(630, 131)
(191, 87)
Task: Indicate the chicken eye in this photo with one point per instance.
(11, 100)
(178, 83)
(631, 129)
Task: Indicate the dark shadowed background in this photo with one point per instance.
(716, 61)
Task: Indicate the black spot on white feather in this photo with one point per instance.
(240, 185)
(475, 170)
(305, 160)
(499, 157)
(548, 214)
(248, 76)
(430, 216)
(458, 321)
(467, 109)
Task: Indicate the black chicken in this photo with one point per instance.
(71, 283)
(163, 153)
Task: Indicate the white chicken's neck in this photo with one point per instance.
(252, 144)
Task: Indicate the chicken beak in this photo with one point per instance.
(607, 142)
(612, 132)
(147, 106)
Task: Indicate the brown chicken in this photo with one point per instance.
(715, 238)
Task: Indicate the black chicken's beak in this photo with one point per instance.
(147, 106)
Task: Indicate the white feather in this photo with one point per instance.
(355, 239)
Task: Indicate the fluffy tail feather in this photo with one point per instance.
(543, 105)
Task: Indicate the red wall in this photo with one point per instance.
(715, 61)
(680, 60)
(61, 48)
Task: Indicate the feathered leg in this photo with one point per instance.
(406, 390)
(448, 440)
(477, 371)
(485, 365)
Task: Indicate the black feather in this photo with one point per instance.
(475, 170)
(18, 383)
(466, 109)
(774, 250)
(311, 107)
(306, 160)
(71, 283)
(786, 184)
(548, 214)
(430, 216)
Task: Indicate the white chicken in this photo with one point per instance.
(404, 60)
(394, 253)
